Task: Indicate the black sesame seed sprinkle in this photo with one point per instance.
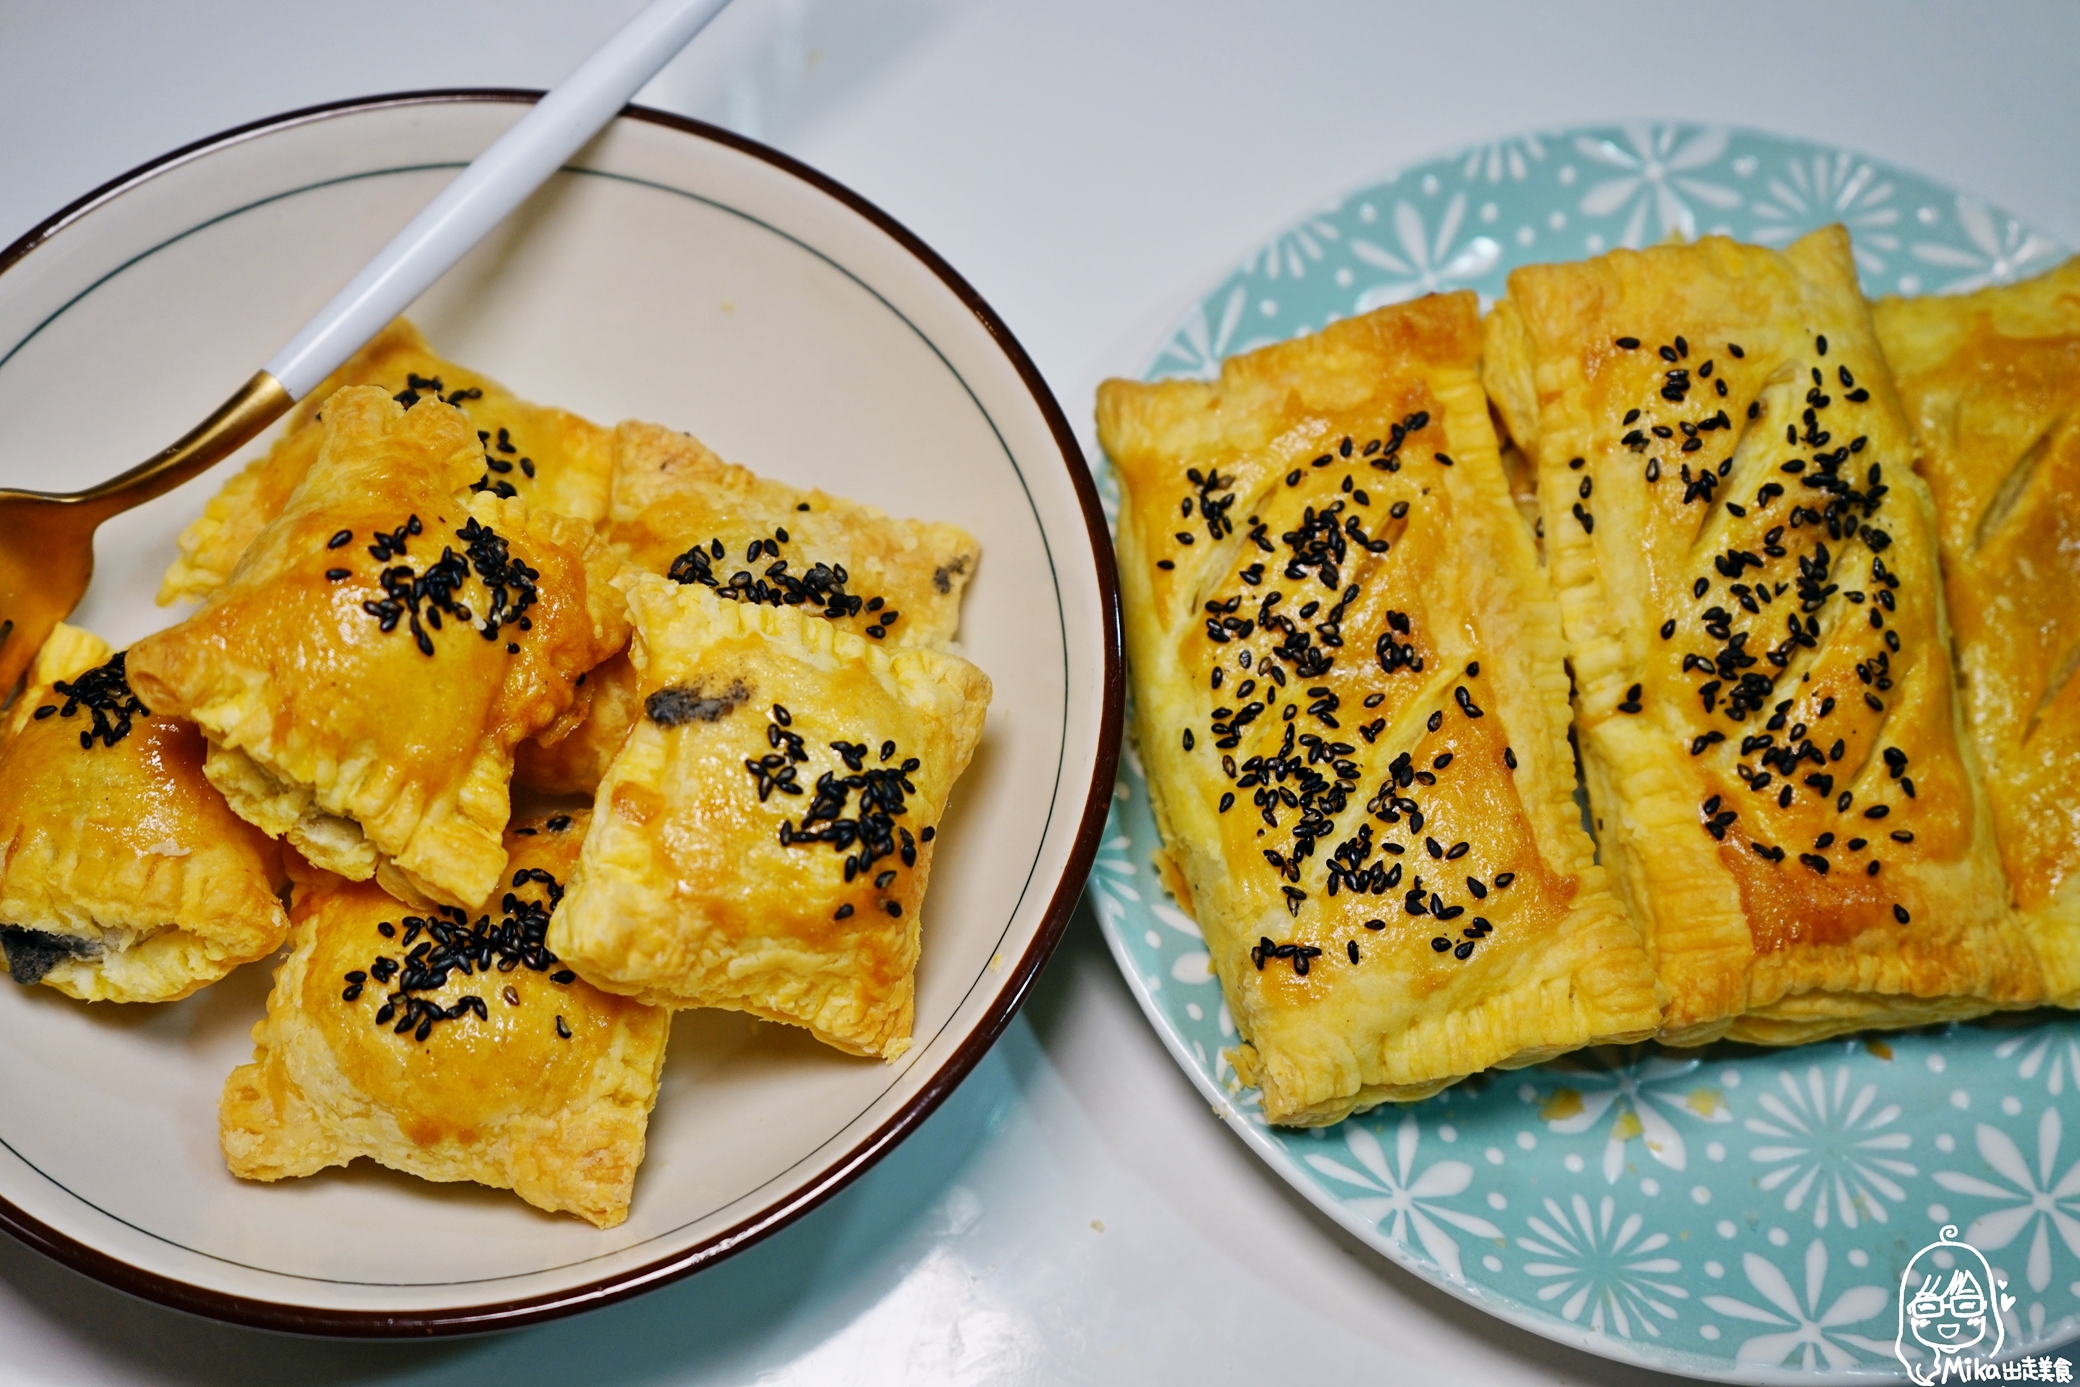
(105, 693)
(455, 945)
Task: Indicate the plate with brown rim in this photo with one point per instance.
(671, 272)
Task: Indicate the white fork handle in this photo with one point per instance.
(490, 188)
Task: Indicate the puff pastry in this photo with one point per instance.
(1747, 573)
(381, 648)
(550, 458)
(124, 877)
(1991, 384)
(763, 839)
(1350, 703)
(681, 511)
(449, 1048)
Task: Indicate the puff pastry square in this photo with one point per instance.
(1350, 702)
(1991, 384)
(550, 458)
(449, 1047)
(124, 877)
(681, 511)
(763, 840)
(1747, 573)
(381, 648)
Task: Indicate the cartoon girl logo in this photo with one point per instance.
(1949, 1303)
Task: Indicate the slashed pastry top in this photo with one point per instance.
(550, 458)
(1350, 702)
(681, 511)
(763, 840)
(123, 875)
(1747, 571)
(1991, 383)
(449, 1045)
(383, 645)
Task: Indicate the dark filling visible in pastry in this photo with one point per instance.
(679, 704)
(31, 953)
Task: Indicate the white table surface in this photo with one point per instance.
(1074, 1213)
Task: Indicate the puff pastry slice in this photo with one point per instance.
(382, 647)
(449, 1047)
(764, 838)
(1747, 572)
(681, 511)
(549, 457)
(1991, 384)
(1351, 706)
(124, 877)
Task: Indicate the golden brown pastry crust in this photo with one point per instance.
(505, 1069)
(1991, 384)
(576, 762)
(550, 458)
(1738, 768)
(680, 510)
(124, 877)
(763, 840)
(1350, 703)
(389, 749)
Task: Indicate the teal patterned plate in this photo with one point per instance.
(1730, 1213)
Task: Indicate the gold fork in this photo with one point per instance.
(47, 541)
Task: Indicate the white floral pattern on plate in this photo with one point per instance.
(1658, 1194)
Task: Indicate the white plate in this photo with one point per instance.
(676, 273)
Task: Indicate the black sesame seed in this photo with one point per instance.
(563, 1028)
(1351, 947)
(844, 912)
(1509, 758)
(1668, 628)
(334, 575)
(1629, 343)
(1188, 739)
(1442, 945)
(340, 540)
(892, 907)
(1899, 913)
